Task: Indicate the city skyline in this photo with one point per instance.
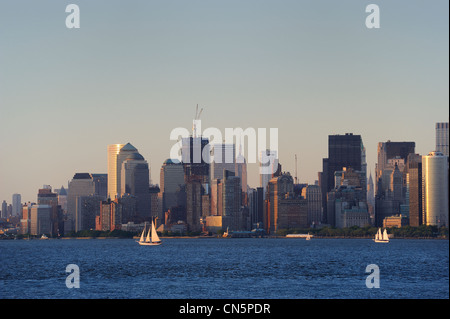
(310, 70)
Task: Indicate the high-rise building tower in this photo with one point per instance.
(435, 189)
(195, 156)
(82, 184)
(343, 151)
(313, 196)
(241, 172)
(223, 158)
(442, 138)
(268, 166)
(135, 181)
(16, 205)
(171, 179)
(124, 152)
(113, 151)
(414, 183)
(4, 209)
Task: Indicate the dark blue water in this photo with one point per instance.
(224, 268)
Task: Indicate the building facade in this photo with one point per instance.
(435, 189)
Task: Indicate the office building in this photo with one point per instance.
(135, 181)
(268, 168)
(40, 222)
(4, 209)
(435, 189)
(195, 157)
(171, 178)
(113, 187)
(223, 158)
(47, 197)
(16, 205)
(241, 172)
(391, 171)
(343, 151)
(442, 138)
(283, 209)
(414, 185)
(82, 184)
(313, 196)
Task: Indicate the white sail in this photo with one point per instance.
(148, 239)
(155, 237)
(142, 235)
(385, 235)
(378, 235)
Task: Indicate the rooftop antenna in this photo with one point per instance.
(296, 169)
(196, 118)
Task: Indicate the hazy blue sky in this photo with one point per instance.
(136, 69)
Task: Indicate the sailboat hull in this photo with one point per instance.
(149, 244)
(380, 241)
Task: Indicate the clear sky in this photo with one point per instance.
(136, 69)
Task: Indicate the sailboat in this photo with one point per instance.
(381, 238)
(308, 237)
(152, 238)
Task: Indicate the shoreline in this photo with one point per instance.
(219, 237)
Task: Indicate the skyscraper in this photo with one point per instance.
(284, 210)
(391, 171)
(16, 205)
(268, 166)
(40, 220)
(195, 156)
(313, 196)
(415, 189)
(124, 152)
(442, 138)
(343, 151)
(47, 197)
(241, 172)
(171, 178)
(135, 181)
(113, 151)
(223, 158)
(435, 189)
(4, 209)
(82, 184)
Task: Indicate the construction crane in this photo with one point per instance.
(296, 169)
(196, 118)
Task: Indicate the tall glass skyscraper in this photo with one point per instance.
(435, 189)
(442, 138)
(113, 151)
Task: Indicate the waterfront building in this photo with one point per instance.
(82, 184)
(313, 196)
(171, 178)
(391, 171)
(40, 222)
(88, 208)
(256, 207)
(435, 189)
(47, 197)
(283, 209)
(343, 151)
(414, 186)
